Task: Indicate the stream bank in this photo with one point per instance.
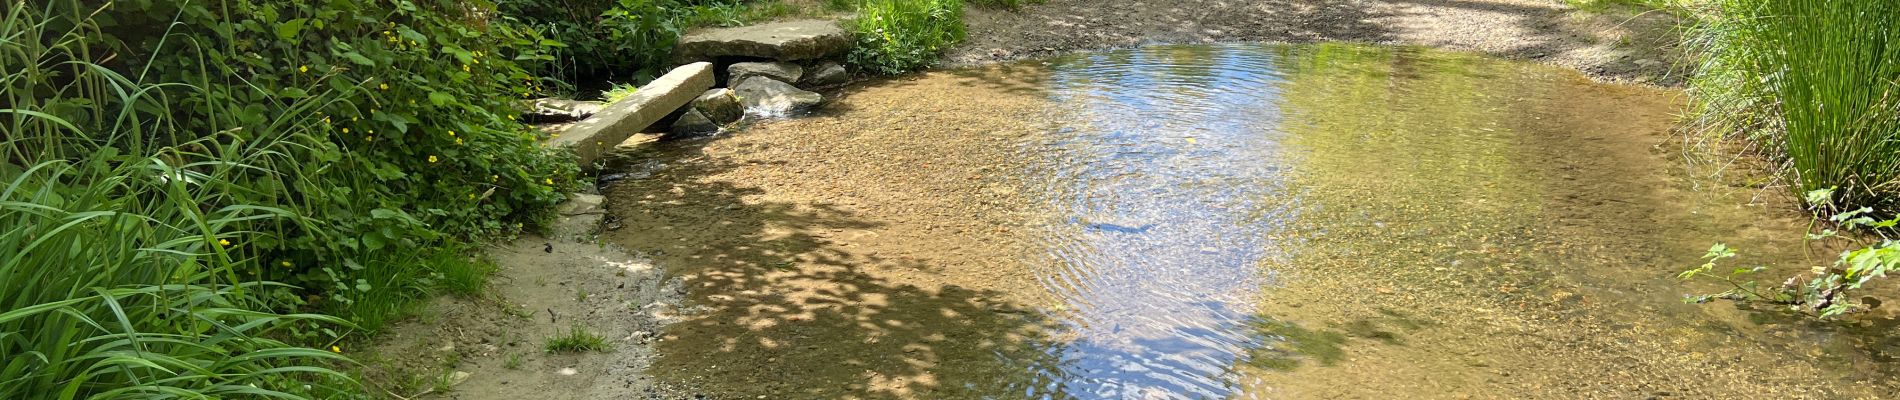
(1610, 43)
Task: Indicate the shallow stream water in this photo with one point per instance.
(1233, 221)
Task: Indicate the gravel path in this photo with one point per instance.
(1614, 44)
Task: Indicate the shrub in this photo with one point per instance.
(1814, 79)
(623, 40)
(898, 36)
(181, 176)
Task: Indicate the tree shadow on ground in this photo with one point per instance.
(781, 305)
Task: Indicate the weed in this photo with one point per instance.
(618, 91)
(577, 340)
(512, 362)
(898, 36)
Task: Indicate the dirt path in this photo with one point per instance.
(1615, 44)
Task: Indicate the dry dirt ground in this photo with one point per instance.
(1611, 43)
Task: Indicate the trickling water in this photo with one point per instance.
(1162, 193)
(1235, 221)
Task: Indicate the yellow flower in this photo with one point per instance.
(432, 159)
(222, 242)
(384, 86)
(493, 178)
(326, 119)
(334, 349)
(346, 130)
(550, 181)
(471, 195)
(303, 68)
(451, 133)
(511, 117)
(286, 264)
(464, 67)
(352, 118)
(369, 138)
(458, 140)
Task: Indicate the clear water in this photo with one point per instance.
(1233, 221)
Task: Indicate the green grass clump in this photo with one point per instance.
(898, 36)
(577, 340)
(1815, 81)
(618, 91)
(1005, 4)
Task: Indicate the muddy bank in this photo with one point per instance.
(1614, 44)
(494, 346)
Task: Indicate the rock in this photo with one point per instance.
(784, 41)
(782, 71)
(594, 136)
(826, 73)
(770, 98)
(720, 105)
(694, 123)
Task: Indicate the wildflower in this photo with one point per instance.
(458, 140)
(451, 133)
(432, 159)
(326, 119)
(471, 196)
(384, 86)
(222, 242)
(286, 264)
(511, 117)
(346, 130)
(303, 69)
(335, 349)
(550, 181)
(369, 138)
(353, 119)
(464, 67)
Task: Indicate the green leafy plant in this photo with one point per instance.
(898, 36)
(1825, 289)
(190, 183)
(576, 340)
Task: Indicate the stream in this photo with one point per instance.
(1228, 221)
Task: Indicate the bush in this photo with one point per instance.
(182, 176)
(1814, 79)
(898, 36)
(623, 40)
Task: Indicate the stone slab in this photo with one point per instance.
(596, 135)
(784, 41)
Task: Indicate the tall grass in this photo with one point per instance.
(124, 262)
(898, 36)
(1813, 80)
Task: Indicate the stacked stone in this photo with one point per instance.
(770, 71)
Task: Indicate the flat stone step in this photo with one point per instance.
(784, 41)
(596, 135)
